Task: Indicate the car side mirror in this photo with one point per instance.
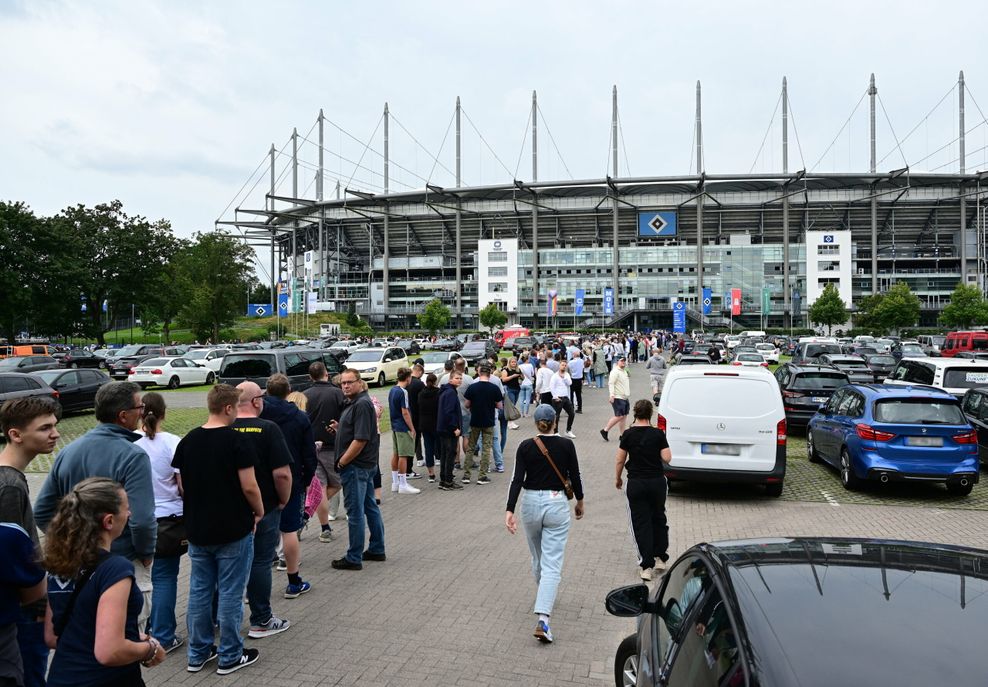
(627, 602)
(823, 409)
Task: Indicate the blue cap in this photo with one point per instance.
(545, 413)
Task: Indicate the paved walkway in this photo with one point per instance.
(452, 604)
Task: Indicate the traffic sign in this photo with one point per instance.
(657, 223)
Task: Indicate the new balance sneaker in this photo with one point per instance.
(272, 627)
(660, 566)
(543, 633)
(174, 644)
(249, 656)
(408, 489)
(196, 667)
(326, 536)
(484, 480)
(293, 591)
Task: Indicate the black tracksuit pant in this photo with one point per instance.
(576, 394)
(647, 507)
(448, 448)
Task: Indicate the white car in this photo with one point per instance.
(883, 345)
(170, 372)
(377, 365)
(769, 352)
(749, 360)
(207, 357)
(732, 340)
(348, 346)
(434, 362)
(724, 426)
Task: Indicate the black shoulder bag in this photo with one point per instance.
(63, 620)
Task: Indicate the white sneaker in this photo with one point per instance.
(340, 516)
(394, 487)
(514, 425)
(419, 463)
(407, 489)
(647, 574)
(571, 435)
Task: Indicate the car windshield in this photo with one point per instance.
(197, 355)
(128, 350)
(881, 360)
(10, 362)
(937, 340)
(432, 358)
(979, 344)
(850, 364)
(965, 377)
(919, 411)
(815, 350)
(475, 346)
(365, 356)
(49, 376)
(819, 381)
(154, 362)
(911, 348)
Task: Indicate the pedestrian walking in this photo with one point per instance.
(576, 369)
(600, 366)
(511, 377)
(656, 368)
(559, 387)
(643, 452)
(548, 469)
(324, 404)
(619, 385)
(543, 376)
(527, 385)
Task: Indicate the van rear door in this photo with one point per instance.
(722, 420)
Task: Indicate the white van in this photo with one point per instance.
(753, 333)
(724, 426)
(953, 375)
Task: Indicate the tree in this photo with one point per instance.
(492, 317)
(351, 315)
(435, 316)
(899, 308)
(864, 318)
(967, 307)
(217, 269)
(169, 287)
(259, 293)
(17, 225)
(828, 309)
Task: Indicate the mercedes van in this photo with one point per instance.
(724, 426)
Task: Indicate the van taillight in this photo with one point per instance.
(661, 423)
(780, 433)
(871, 434)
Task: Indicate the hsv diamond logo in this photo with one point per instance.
(828, 238)
(657, 223)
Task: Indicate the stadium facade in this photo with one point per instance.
(631, 247)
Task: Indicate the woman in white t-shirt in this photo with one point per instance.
(160, 447)
(527, 384)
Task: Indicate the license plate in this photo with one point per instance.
(819, 399)
(924, 441)
(720, 449)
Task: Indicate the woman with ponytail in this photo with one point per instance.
(168, 510)
(93, 599)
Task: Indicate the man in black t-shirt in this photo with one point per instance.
(325, 403)
(483, 399)
(415, 386)
(274, 479)
(222, 506)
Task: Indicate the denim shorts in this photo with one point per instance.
(465, 428)
(291, 516)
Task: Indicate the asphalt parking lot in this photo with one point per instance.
(452, 604)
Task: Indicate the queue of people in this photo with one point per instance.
(229, 495)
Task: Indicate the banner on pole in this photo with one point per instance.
(679, 317)
(708, 296)
(608, 301)
(552, 303)
(284, 301)
(259, 310)
(735, 301)
(580, 295)
(310, 302)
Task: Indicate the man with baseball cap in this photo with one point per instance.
(619, 385)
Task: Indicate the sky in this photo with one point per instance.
(172, 106)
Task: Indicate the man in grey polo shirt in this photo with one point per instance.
(358, 444)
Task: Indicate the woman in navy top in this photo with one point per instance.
(93, 599)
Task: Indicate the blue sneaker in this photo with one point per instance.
(543, 633)
(293, 591)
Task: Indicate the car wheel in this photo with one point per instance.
(626, 662)
(955, 489)
(174, 383)
(811, 453)
(210, 378)
(381, 379)
(102, 365)
(850, 481)
(774, 489)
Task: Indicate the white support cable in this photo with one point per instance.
(367, 147)
(238, 193)
(957, 159)
(848, 121)
(552, 138)
(795, 131)
(484, 140)
(441, 147)
(693, 149)
(898, 144)
(624, 148)
(348, 160)
(435, 158)
(328, 175)
(521, 150)
(768, 130)
(921, 121)
(950, 143)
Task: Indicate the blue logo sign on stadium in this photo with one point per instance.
(654, 224)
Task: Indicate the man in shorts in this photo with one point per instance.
(403, 434)
(325, 404)
(619, 385)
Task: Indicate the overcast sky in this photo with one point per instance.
(170, 106)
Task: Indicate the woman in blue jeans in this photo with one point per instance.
(545, 513)
(168, 508)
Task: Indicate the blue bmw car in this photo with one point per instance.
(895, 433)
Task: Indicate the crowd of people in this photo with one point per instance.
(125, 502)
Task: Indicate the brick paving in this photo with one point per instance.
(452, 604)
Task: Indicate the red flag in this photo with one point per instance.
(735, 301)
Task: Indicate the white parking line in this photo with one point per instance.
(830, 499)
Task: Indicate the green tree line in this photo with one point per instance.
(57, 272)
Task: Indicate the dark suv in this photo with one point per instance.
(809, 352)
(257, 366)
(16, 385)
(475, 351)
(28, 363)
(805, 388)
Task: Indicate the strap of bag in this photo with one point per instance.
(545, 452)
(63, 619)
